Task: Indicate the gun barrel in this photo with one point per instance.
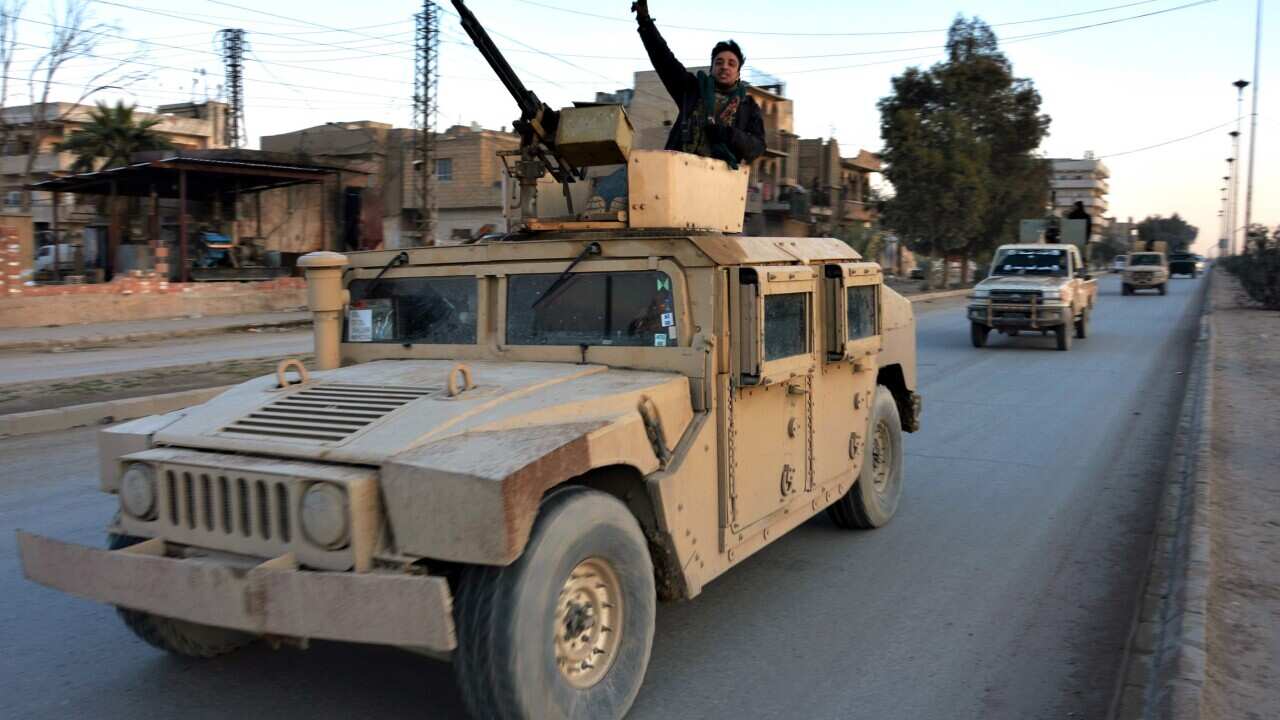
(529, 103)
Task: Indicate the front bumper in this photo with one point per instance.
(1019, 315)
(272, 598)
(1145, 279)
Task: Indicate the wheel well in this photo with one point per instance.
(627, 484)
(892, 377)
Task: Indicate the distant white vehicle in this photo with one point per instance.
(1117, 264)
(45, 261)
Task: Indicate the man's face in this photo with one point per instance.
(725, 68)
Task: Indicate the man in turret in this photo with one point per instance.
(717, 118)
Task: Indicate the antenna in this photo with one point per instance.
(233, 58)
(426, 70)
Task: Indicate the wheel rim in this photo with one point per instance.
(881, 458)
(588, 623)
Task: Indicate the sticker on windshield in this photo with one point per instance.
(664, 283)
(660, 340)
(671, 334)
(668, 319)
(360, 325)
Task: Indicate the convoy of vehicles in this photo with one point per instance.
(1037, 287)
(1146, 269)
(507, 451)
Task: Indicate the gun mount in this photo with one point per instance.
(648, 189)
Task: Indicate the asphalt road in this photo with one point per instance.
(38, 366)
(1004, 588)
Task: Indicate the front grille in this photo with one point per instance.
(1142, 276)
(1015, 296)
(256, 509)
(325, 413)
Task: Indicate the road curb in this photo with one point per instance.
(147, 336)
(102, 413)
(1165, 663)
(941, 294)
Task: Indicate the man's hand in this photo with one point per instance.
(641, 9)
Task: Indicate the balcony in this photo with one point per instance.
(45, 163)
(778, 143)
(1096, 184)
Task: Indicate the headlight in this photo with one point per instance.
(324, 516)
(1052, 295)
(138, 491)
(981, 293)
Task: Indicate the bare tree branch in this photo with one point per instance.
(10, 11)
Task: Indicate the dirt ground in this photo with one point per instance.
(1244, 599)
(24, 397)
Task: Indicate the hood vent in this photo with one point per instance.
(325, 413)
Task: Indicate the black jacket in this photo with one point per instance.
(746, 137)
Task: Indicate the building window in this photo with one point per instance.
(444, 169)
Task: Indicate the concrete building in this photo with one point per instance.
(1083, 180)
(468, 178)
(187, 126)
(839, 187)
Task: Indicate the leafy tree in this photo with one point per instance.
(1173, 230)
(960, 142)
(112, 133)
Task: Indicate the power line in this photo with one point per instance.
(1168, 142)
(613, 18)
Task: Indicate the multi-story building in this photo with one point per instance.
(187, 126)
(1083, 180)
(467, 178)
(839, 187)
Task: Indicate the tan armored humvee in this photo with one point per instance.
(508, 451)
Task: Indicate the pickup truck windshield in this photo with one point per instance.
(634, 308)
(1145, 259)
(1031, 261)
(428, 310)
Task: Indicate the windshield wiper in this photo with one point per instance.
(402, 258)
(592, 248)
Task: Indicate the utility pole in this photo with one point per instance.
(1253, 126)
(426, 70)
(1233, 211)
(233, 58)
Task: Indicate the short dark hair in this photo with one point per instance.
(729, 45)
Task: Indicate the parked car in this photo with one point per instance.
(1118, 263)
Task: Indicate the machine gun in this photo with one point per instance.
(537, 126)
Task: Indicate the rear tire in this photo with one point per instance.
(179, 637)
(1064, 333)
(1164, 288)
(978, 334)
(1126, 289)
(513, 660)
(873, 500)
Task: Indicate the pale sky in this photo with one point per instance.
(1123, 85)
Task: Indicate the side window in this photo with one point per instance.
(786, 325)
(860, 311)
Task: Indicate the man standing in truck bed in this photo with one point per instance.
(717, 118)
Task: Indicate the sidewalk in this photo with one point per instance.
(80, 336)
(1243, 633)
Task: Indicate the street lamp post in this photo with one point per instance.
(1233, 226)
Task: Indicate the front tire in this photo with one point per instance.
(1064, 333)
(565, 631)
(1082, 324)
(873, 499)
(179, 637)
(1164, 288)
(978, 334)
(1126, 289)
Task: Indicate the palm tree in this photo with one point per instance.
(112, 133)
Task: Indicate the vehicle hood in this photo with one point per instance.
(369, 413)
(1022, 282)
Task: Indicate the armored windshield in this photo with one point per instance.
(1031, 261)
(426, 310)
(1145, 259)
(597, 308)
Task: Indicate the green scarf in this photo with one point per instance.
(722, 106)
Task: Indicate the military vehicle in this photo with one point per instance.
(508, 451)
(1185, 263)
(1040, 287)
(1147, 268)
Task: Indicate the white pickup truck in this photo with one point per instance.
(1036, 287)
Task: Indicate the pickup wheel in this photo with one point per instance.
(1082, 324)
(1164, 288)
(978, 334)
(1126, 289)
(177, 636)
(1064, 333)
(565, 631)
(874, 497)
